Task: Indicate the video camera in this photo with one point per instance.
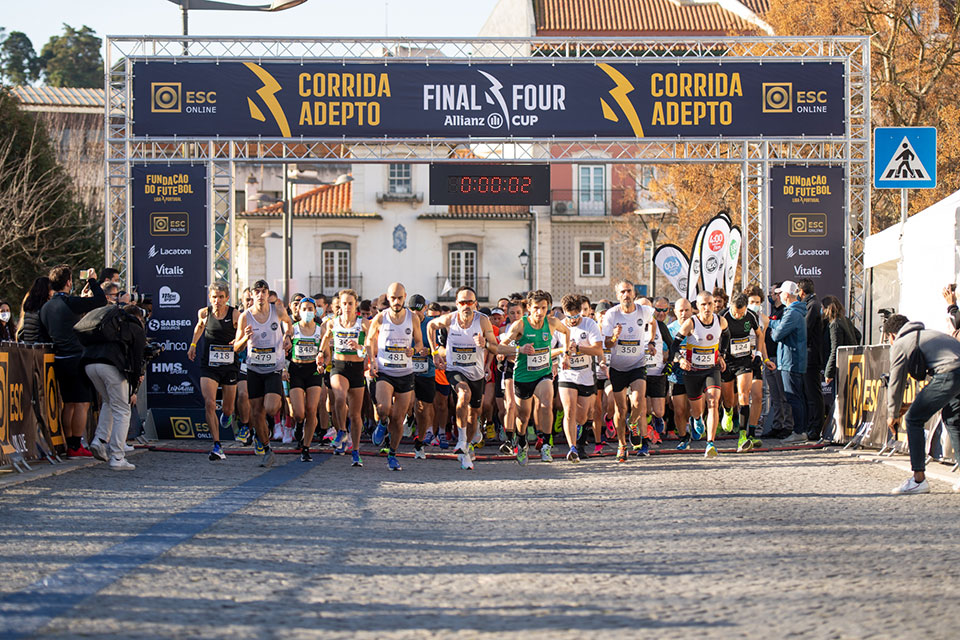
(151, 350)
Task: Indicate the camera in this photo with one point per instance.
(140, 299)
(886, 313)
(151, 350)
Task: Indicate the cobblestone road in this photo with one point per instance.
(770, 545)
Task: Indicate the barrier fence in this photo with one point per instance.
(30, 404)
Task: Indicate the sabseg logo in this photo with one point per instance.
(168, 325)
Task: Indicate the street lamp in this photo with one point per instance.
(654, 234)
(524, 261)
(215, 5)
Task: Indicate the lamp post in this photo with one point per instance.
(524, 261)
(216, 5)
(654, 234)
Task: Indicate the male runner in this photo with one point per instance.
(508, 446)
(656, 378)
(577, 381)
(603, 409)
(702, 364)
(424, 383)
(533, 373)
(469, 333)
(678, 393)
(306, 380)
(244, 435)
(392, 340)
(628, 329)
(217, 324)
(264, 331)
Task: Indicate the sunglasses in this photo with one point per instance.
(659, 310)
(467, 303)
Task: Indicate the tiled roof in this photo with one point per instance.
(480, 212)
(639, 17)
(62, 98)
(326, 201)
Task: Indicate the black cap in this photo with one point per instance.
(261, 284)
(603, 306)
(416, 302)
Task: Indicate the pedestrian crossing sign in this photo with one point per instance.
(905, 157)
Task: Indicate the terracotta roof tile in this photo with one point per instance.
(61, 97)
(639, 17)
(480, 212)
(326, 201)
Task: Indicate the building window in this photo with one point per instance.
(462, 261)
(336, 267)
(644, 177)
(591, 259)
(591, 190)
(399, 180)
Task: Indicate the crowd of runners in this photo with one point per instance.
(527, 373)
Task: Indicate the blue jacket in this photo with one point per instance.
(790, 334)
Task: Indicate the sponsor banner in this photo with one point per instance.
(29, 405)
(862, 396)
(713, 252)
(637, 100)
(734, 241)
(693, 277)
(807, 227)
(169, 237)
(185, 424)
(674, 265)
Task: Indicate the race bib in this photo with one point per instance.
(539, 360)
(420, 364)
(305, 350)
(395, 356)
(465, 356)
(629, 348)
(579, 362)
(703, 357)
(607, 354)
(263, 357)
(341, 341)
(243, 367)
(740, 347)
(220, 354)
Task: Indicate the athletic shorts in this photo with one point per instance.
(757, 368)
(223, 376)
(697, 381)
(525, 390)
(583, 390)
(443, 389)
(260, 384)
(657, 386)
(400, 384)
(678, 390)
(304, 375)
(508, 367)
(75, 386)
(476, 387)
(425, 388)
(497, 382)
(735, 368)
(623, 379)
(352, 371)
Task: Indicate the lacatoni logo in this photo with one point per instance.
(169, 325)
(175, 368)
(172, 272)
(182, 389)
(153, 252)
(792, 253)
(492, 104)
(169, 299)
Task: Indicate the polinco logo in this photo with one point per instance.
(169, 345)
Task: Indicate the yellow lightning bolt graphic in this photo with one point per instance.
(268, 93)
(619, 94)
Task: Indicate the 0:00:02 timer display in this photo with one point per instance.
(488, 184)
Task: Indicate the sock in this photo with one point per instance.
(393, 452)
(417, 444)
(216, 442)
(744, 417)
(266, 448)
(73, 442)
(752, 432)
(522, 439)
(685, 437)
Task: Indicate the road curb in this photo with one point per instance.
(43, 469)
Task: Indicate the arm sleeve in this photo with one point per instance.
(831, 368)
(675, 346)
(80, 304)
(898, 375)
(954, 313)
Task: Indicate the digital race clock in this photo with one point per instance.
(492, 184)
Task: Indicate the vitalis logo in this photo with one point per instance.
(164, 270)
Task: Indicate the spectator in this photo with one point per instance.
(6, 330)
(111, 291)
(813, 378)
(115, 369)
(58, 317)
(953, 313)
(777, 417)
(790, 334)
(940, 355)
(840, 333)
(30, 329)
(109, 275)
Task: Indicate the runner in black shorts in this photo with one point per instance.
(678, 391)
(217, 324)
(306, 381)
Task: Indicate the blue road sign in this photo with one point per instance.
(905, 157)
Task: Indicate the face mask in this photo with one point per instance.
(754, 307)
(5, 316)
(783, 298)
(307, 316)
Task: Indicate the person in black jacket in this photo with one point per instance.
(58, 317)
(115, 369)
(29, 328)
(840, 332)
(813, 377)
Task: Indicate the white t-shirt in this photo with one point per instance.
(629, 352)
(581, 365)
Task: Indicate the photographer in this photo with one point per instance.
(938, 354)
(115, 365)
(953, 313)
(58, 317)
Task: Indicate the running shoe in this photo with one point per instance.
(393, 464)
(711, 451)
(545, 453)
(269, 458)
(597, 449)
(431, 440)
(634, 429)
(329, 435)
(644, 450)
(340, 443)
(466, 463)
(357, 462)
(756, 442)
(277, 431)
(287, 434)
(744, 443)
(385, 449)
(490, 432)
(225, 421)
(573, 456)
(538, 445)
(258, 447)
(442, 441)
(506, 449)
(621, 454)
(472, 452)
(658, 425)
(699, 429)
(611, 430)
(419, 454)
(409, 426)
(217, 453)
(379, 434)
(100, 450)
(245, 435)
(727, 422)
(911, 486)
(305, 455)
(522, 455)
(579, 432)
(654, 436)
(683, 445)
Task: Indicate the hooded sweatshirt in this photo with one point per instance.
(940, 351)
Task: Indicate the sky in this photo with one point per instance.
(40, 19)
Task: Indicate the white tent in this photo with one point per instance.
(911, 263)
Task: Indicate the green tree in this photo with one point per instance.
(73, 59)
(19, 63)
(41, 220)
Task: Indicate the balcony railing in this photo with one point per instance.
(481, 285)
(353, 282)
(585, 203)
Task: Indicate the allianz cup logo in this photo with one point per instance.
(169, 299)
(672, 266)
(777, 97)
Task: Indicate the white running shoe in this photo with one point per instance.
(419, 454)
(472, 453)
(128, 447)
(466, 462)
(911, 486)
(99, 449)
(277, 431)
(545, 453)
(795, 438)
(120, 464)
(287, 434)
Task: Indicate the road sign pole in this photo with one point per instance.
(903, 205)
